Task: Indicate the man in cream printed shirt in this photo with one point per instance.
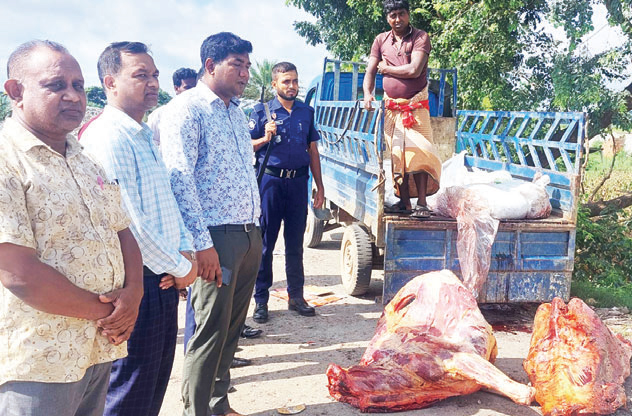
(70, 269)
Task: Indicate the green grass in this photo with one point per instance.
(602, 297)
(620, 181)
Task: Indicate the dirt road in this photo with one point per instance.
(290, 360)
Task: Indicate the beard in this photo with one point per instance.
(285, 97)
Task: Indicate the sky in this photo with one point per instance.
(601, 38)
(174, 30)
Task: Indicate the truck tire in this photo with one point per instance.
(355, 260)
(313, 230)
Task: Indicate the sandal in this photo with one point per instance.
(397, 209)
(421, 211)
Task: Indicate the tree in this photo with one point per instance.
(96, 97)
(260, 76)
(482, 40)
(163, 97)
(505, 60)
(5, 106)
(504, 57)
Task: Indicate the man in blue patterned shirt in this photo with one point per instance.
(122, 143)
(206, 146)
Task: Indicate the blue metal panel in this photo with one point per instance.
(538, 263)
(506, 287)
(441, 93)
(538, 286)
(350, 188)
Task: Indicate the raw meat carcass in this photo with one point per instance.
(431, 343)
(576, 364)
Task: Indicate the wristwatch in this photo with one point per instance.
(191, 254)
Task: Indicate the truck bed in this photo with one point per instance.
(531, 260)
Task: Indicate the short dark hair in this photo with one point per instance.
(18, 56)
(282, 68)
(390, 5)
(110, 60)
(181, 74)
(220, 45)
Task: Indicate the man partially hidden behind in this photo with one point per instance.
(70, 268)
(284, 193)
(401, 56)
(207, 148)
(183, 79)
(122, 143)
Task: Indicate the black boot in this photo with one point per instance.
(261, 313)
(299, 305)
(250, 332)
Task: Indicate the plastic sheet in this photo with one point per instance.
(478, 200)
(476, 232)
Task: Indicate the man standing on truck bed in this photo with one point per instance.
(283, 185)
(401, 56)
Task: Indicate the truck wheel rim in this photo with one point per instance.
(348, 258)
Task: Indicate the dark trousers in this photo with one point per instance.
(282, 200)
(219, 316)
(138, 382)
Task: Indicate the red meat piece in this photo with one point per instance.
(432, 342)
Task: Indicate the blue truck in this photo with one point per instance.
(531, 260)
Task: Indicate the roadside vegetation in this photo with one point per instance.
(603, 261)
(5, 106)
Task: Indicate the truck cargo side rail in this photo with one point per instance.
(524, 143)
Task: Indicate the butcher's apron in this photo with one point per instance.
(409, 135)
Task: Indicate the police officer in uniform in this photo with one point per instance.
(283, 188)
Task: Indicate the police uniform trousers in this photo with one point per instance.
(282, 200)
(220, 313)
(139, 381)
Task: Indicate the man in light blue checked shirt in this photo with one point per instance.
(123, 144)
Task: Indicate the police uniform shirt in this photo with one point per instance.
(296, 131)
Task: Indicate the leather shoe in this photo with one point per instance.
(240, 362)
(300, 306)
(250, 332)
(261, 313)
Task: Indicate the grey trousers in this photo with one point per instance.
(219, 316)
(85, 397)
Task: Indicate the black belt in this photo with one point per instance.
(287, 173)
(233, 227)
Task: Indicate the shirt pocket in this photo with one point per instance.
(300, 131)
